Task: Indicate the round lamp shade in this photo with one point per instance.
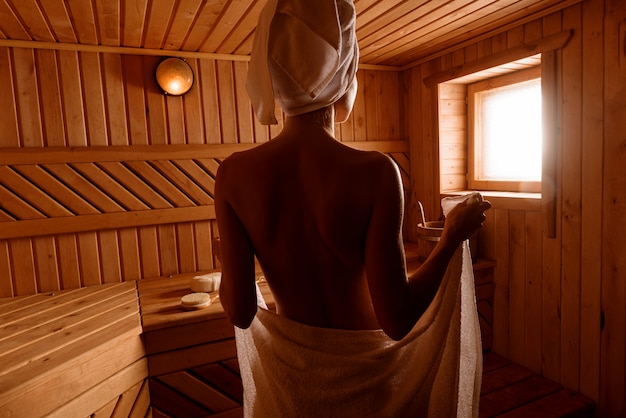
(174, 76)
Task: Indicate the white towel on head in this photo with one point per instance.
(304, 55)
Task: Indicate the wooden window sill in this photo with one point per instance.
(506, 200)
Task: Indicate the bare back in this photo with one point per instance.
(305, 202)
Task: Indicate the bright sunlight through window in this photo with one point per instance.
(510, 132)
(505, 132)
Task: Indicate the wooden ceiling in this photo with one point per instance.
(391, 32)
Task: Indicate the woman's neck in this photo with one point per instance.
(322, 119)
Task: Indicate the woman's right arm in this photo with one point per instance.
(399, 301)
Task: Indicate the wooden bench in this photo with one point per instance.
(73, 353)
(86, 351)
(191, 354)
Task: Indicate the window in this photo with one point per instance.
(505, 132)
(505, 155)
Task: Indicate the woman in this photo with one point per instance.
(323, 220)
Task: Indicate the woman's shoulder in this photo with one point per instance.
(247, 157)
(372, 159)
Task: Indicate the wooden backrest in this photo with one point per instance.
(76, 217)
(87, 216)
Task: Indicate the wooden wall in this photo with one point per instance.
(559, 302)
(104, 179)
(453, 140)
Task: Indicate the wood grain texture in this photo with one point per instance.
(50, 341)
(613, 262)
(392, 33)
(552, 295)
(76, 116)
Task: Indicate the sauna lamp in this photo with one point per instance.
(174, 76)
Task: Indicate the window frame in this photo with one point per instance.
(473, 119)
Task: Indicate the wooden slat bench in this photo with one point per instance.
(82, 352)
(73, 353)
(191, 354)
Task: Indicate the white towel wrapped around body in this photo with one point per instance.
(290, 369)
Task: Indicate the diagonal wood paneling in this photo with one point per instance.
(79, 217)
(63, 190)
(28, 192)
(78, 223)
(90, 183)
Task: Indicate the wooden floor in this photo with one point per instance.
(512, 391)
(508, 391)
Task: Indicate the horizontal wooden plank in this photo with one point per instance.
(107, 49)
(24, 306)
(9, 306)
(191, 357)
(73, 155)
(66, 334)
(530, 202)
(40, 227)
(57, 345)
(187, 335)
(31, 327)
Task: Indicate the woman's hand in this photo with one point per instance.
(464, 220)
